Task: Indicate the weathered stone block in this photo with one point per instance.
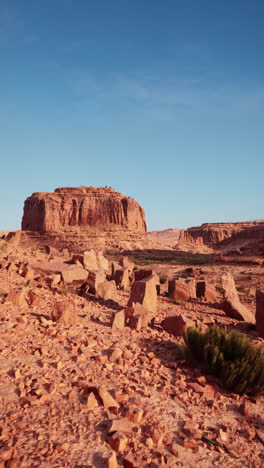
(145, 293)
(106, 290)
(64, 312)
(122, 278)
(206, 291)
(260, 312)
(176, 324)
(94, 279)
(182, 290)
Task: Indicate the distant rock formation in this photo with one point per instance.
(81, 218)
(244, 235)
(167, 237)
(82, 207)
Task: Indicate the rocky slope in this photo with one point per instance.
(74, 395)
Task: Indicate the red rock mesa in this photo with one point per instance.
(83, 207)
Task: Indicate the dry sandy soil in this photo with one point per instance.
(48, 371)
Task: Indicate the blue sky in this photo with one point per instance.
(161, 99)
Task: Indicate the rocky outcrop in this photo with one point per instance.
(206, 291)
(220, 235)
(260, 312)
(82, 207)
(181, 289)
(176, 324)
(231, 304)
(145, 292)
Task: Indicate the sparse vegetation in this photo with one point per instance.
(112, 253)
(180, 259)
(184, 275)
(162, 278)
(228, 355)
(41, 250)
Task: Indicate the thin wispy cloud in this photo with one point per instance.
(188, 94)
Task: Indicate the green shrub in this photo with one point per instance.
(184, 275)
(228, 355)
(162, 278)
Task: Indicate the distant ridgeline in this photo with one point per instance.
(219, 235)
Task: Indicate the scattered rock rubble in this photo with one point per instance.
(90, 374)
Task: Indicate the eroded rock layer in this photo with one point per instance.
(82, 207)
(221, 235)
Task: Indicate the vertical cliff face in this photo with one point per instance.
(82, 207)
(221, 234)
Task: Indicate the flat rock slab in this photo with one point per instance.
(69, 272)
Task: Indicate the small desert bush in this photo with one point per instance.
(228, 355)
(184, 275)
(162, 278)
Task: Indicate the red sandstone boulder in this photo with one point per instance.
(93, 260)
(118, 320)
(90, 260)
(114, 266)
(231, 304)
(17, 298)
(142, 274)
(206, 291)
(53, 251)
(74, 273)
(228, 285)
(126, 263)
(94, 279)
(13, 237)
(33, 298)
(181, 289)
(28, 273)
(260, 312)
(82, 207)
(139, 317)
(69, 272)
(106, 290)
(122, 278)
(175, 324)
(234, 309)
(64, 312)
(145, 293)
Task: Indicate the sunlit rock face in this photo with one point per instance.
(82, 207)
